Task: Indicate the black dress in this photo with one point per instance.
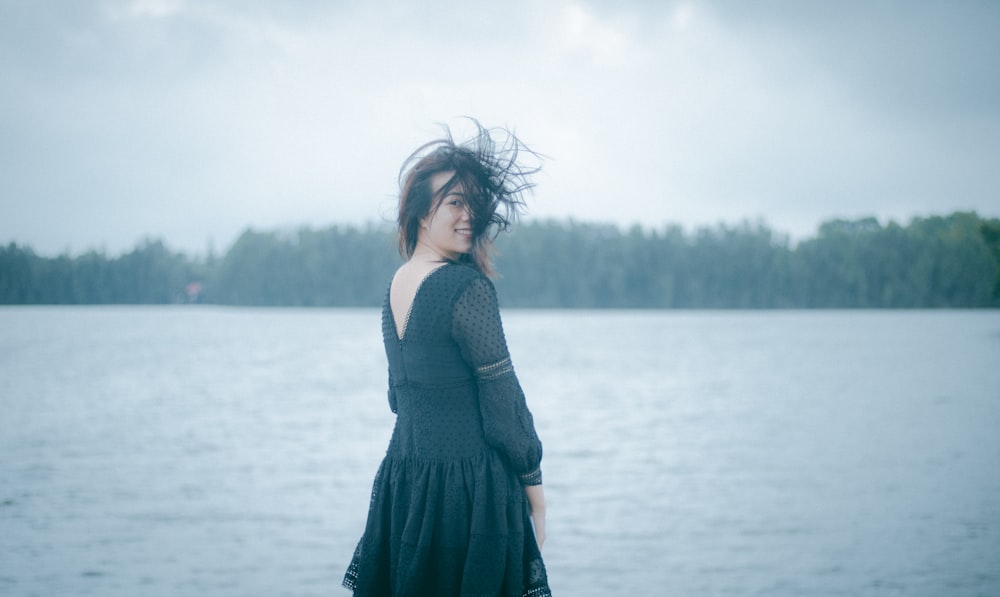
(448, 513)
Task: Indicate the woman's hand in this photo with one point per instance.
(536, 502)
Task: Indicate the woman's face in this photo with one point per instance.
(447, 228)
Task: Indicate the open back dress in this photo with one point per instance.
(448, 513)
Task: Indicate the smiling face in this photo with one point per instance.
(447, 229)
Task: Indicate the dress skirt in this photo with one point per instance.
(447, 528)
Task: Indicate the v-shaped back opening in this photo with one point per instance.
(400, 327)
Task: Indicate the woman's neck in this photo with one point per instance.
(427, 254)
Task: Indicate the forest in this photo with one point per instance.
(950, 261)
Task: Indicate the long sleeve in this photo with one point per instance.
(507, 422)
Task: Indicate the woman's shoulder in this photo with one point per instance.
(460, 278)
(454, 272)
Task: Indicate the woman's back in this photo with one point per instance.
(432, 388)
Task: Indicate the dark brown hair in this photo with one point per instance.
(494, 184)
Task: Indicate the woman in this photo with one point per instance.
(457, 506)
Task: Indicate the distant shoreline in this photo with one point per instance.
(950, 262)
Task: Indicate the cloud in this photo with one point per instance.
(151, 8)
(193, 120)
(605, 43)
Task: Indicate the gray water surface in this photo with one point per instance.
(219, 451)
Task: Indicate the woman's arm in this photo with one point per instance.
(507, 423)
(536, 501)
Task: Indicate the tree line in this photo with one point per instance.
(950, 261)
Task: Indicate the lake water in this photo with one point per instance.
(230, 452)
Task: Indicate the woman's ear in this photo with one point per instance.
(430, 213)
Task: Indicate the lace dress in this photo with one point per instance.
(448, 513)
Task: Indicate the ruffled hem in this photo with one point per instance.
(447, 528)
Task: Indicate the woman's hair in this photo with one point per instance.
(492, 180)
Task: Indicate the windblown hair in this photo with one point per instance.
(493, 181)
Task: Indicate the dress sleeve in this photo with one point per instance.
(507, 422)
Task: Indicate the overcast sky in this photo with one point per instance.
(193, 120)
